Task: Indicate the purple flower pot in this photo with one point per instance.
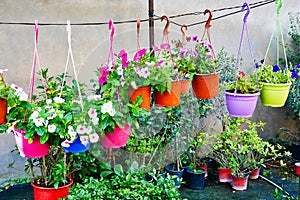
(241, 105)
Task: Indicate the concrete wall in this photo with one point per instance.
(90, 43)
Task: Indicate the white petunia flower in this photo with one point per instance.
(58, 100)
(51, 128)
(108, 108)
(84, 140)
(48, 101)
(34, 115)
(39, 109)
(39, 122)
(66, 143)
(94, 138)
(88, 130)
(120, 71)
(95, 121)
(92, 113)
(80, 129)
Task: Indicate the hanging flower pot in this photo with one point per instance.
(254, 174)
(274, 95)
(185, 85)
(3, 111)
(195, 180)
(143, 91)
(225, 175)
(206, 86)
(241, 105)
(118, 138)
(239, 183)
(169, 99)
(77, 147)
(33, 150)
(47, 193)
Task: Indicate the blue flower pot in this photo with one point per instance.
(171, 169)
(77, 147)
(195, 180)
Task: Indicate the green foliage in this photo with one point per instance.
(281, 194)
(243, 83)
(117, 184)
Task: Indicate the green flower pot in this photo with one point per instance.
(274, 95)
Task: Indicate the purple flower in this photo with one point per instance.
(276, 68)
(194, 53)
(298, 66)
(181, 53)
(194, 38)
(257, 65)
(294, 74)
(155, 48)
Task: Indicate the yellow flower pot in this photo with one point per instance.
(274, 95)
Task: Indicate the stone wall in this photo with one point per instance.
(90, 43)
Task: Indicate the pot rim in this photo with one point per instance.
(241, 94)
(51, 188)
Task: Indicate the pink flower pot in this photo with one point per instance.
(297, 170)
(118, 138)
(225, 175)
(33, 150)
(254, 174)
(239, 183)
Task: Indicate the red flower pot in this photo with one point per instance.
(239, 183)
(33, 150)
(3, 111)
(118, 138)
(169, 99)
(44, 193)
(297, 170)
(143, 91)
(205, 86)
(254, 174)
(225, 175)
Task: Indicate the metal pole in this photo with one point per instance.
(151, 23)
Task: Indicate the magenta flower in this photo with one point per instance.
(194, 38)
(102, 79)
(123, 54)
(139, 54)
(155, 48)
(165, 46)
(159, 63)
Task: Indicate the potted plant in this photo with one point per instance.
(241, 95)
(205, 79)
(275, 82)
(114, 114)
(195, 173)
(4, 90)
(143, 72)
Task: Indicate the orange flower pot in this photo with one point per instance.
(185, 86)
(169, 99)
(143, 91)
(3, 111)
(205, 86)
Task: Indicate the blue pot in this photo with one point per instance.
(171, 169)
(195, 180)
(77, 147)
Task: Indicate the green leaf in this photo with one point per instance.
(44, 138)
(119, 170)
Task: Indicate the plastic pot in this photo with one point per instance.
(77, 147)
(170, 169)
(274, 95)
(169, 99)
(239, 183)
(206, 86)
(225, 175)
(118, 138)
(195, 180)
(143, 91)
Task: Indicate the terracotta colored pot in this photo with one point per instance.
(297, 170)
(241, 105)
(33, 150)
(206, 86)
(185, 86)
(44, 193)
(118, 138)
(143, 91)
(274, 95)
(225, 175)
(169, 99)
(3, 111)
(254, 174)
(239, 183)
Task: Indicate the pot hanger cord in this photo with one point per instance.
(70, 55)
(239, 54)
(278, 34)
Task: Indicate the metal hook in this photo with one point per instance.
(167, 24)
(279, 6)
(248, 11)
(138, 25)
(183, 33)
(112, 28)
(207, 24)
